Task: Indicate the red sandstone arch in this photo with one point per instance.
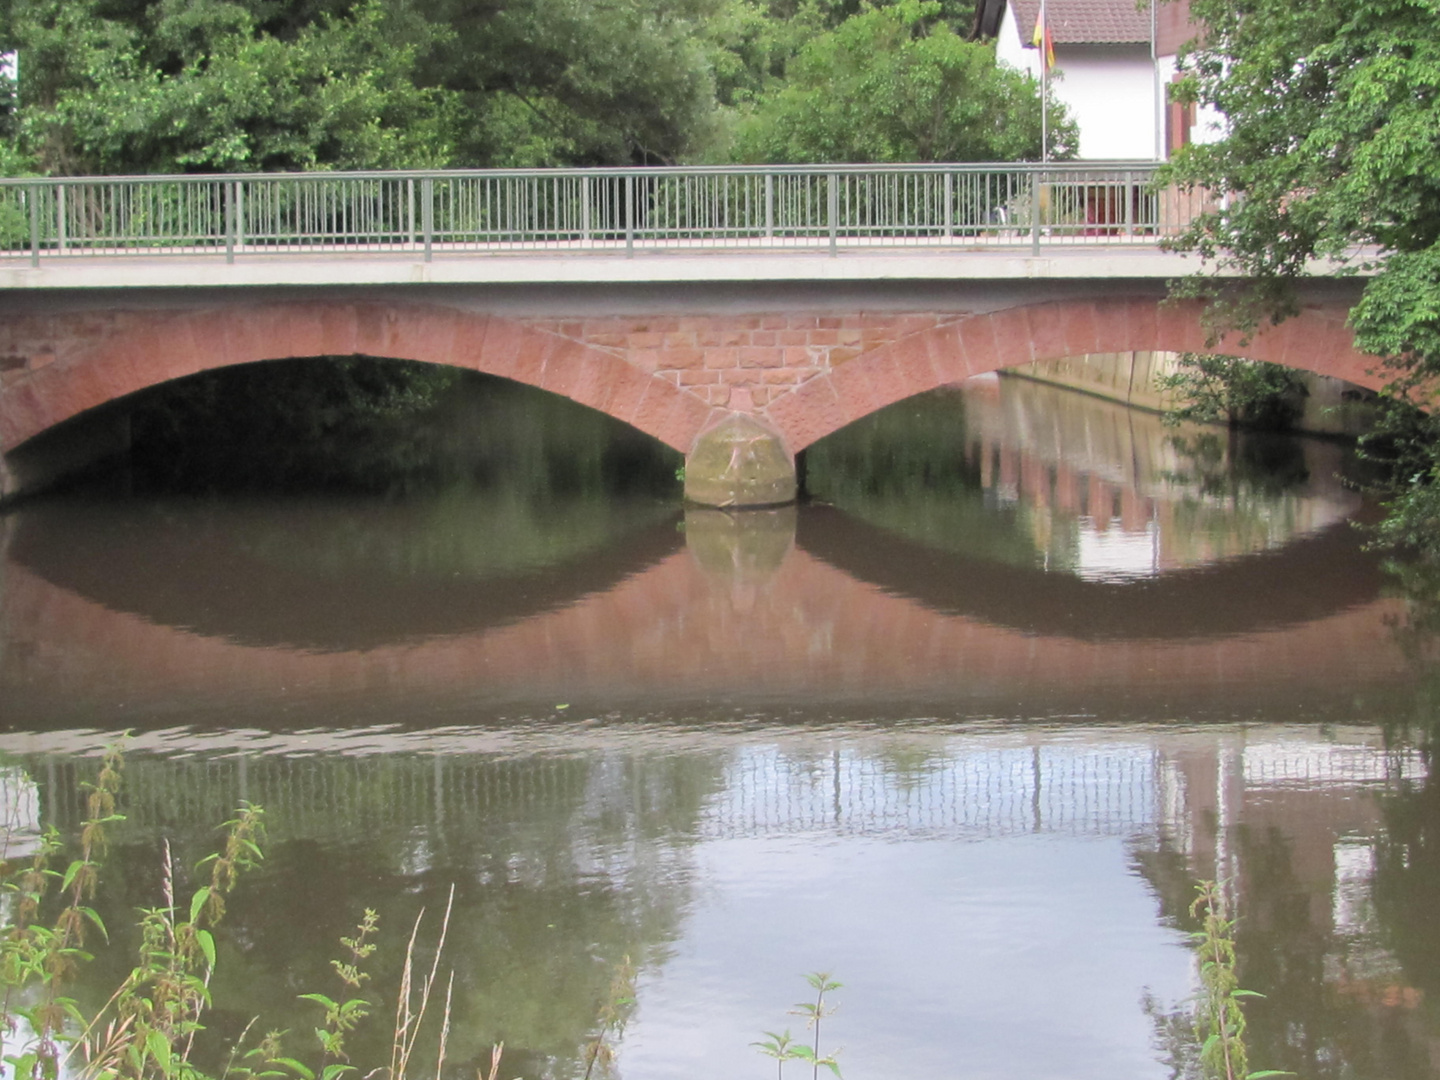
(1316, 340)
(78, 363)
(806, 375)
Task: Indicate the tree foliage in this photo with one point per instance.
(1234, 391)
(897, 83)
(1333, 142)
(205, 86)
(144, 86)
(1332, 152)
(544, 82)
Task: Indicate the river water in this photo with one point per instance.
(964, 731)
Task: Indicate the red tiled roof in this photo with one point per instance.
(1085, 22)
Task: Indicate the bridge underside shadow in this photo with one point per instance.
(739, 391)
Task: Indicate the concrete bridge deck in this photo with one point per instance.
(1125, 259)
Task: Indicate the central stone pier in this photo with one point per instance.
(740, 463)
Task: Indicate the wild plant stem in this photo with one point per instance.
(819, 1000)
(407, 1026)
(445, 1028)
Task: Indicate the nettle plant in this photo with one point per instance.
(149, 1027)
(783, 1047)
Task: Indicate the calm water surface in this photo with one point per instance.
(964, 731)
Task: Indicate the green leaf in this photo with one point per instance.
(299, 1068)
(159, 1049)
(332, 1071)
(207, 946)
(94, 917)
(70, 872)
(320, 999)
(198, 901)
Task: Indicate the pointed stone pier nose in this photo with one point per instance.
(740, 462)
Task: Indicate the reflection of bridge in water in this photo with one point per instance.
(908, 782)
(727, 620)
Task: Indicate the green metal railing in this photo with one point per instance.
(567, 211)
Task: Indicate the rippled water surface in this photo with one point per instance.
(964, 730)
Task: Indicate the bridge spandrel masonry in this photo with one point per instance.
(742, 363)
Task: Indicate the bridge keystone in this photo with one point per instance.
(739, 463)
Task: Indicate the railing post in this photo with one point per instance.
(239, 213)
(61, 232)
(769, 205)
(427, 213)
(1035, 211)
(832, 208)
(584, 209)
(410, 211)
(229, 190)
(630, 217)
(949, 196)
(34, 224)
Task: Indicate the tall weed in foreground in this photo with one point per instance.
(615, 1013)
(782, 1045)
(1219, 1018)
(148, 1026)
(147, 1029)
(42, 942)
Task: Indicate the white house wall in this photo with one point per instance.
(1111, 93)
(1109, 90)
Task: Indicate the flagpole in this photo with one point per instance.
(1158, 97)
(1044, 88)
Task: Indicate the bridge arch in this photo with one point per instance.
(1317, 340)
(121, 353)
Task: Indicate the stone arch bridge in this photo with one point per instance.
(737, 314)
(738, 377)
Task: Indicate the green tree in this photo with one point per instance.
(1332, 151)
(753, 41)
(573, 82)
(157, 85)
(897, 83)
(1332, 138)
(203, 86)
(1234, 391)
